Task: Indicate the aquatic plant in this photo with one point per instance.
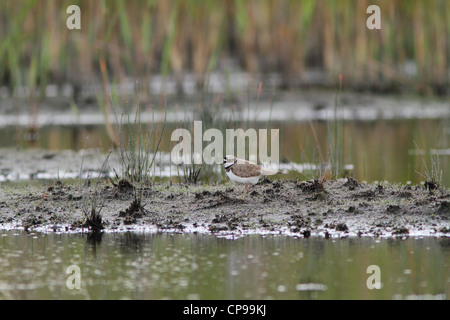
(138, 146)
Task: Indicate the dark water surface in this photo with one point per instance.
(190, 266)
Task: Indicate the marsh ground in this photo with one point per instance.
(333, 208)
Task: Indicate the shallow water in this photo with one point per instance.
(190, 266)
(371, 150)
(377, 136)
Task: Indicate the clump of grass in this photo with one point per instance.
(93, 219)
(137, 155)
(433, 175)
(336, 137)
(91, 202)
(191, 173)
(207, 111)
(331, 166)
(135, 210)
(134, 140)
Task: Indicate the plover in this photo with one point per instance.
(245, 172)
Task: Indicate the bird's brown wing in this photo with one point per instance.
(246, 169)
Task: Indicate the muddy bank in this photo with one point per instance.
(310, 208)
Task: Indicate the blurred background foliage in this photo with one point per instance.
(295, 39)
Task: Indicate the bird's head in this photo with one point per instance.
(229, 161)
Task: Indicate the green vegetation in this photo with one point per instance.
(92, 202)
(138, 147)
(432, 175)
(336, 137)
(141, 38)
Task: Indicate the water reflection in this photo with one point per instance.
(157, 266)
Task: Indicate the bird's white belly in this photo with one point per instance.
(237, 179)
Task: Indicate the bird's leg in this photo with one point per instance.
(245, 192)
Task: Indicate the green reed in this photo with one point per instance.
(140, 38)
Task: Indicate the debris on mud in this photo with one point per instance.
(303, 209)
(124, 185)
(133, 212)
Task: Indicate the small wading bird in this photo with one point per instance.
(245, 172)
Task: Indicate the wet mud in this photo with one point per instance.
(339, 208)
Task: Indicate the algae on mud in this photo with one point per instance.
(335, 208)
